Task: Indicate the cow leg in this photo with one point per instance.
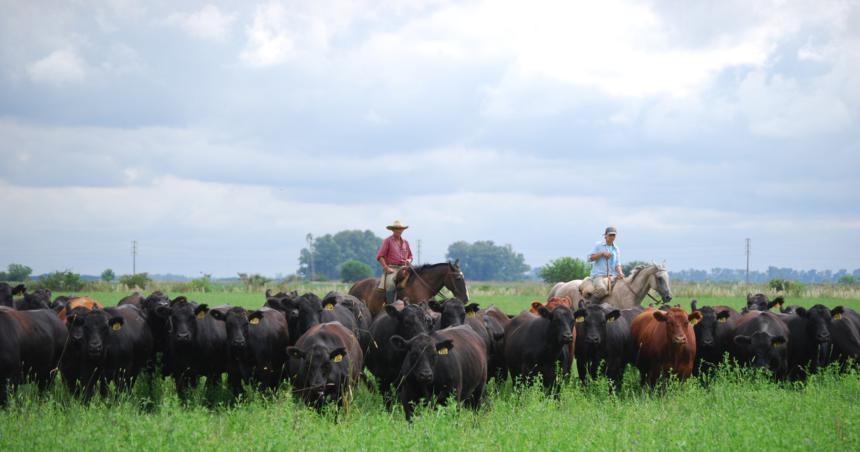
(4, 391)
(582, 370)
(474, 401)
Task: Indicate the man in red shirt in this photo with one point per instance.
(393, 255)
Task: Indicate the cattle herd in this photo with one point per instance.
(432, 351)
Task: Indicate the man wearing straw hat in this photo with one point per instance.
(605, 263)
(393, 255)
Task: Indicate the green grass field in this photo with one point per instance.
(738, 410)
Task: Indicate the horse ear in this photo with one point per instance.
(457, 262)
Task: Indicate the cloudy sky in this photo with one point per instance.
(219, 134)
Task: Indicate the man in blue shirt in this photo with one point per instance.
(605, 263)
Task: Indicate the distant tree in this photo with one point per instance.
(486, 261)
(108, 275)
(564, 269)
(330, 251)
(201, 284)
(629, 266)
(140, 280)
(255, 281)
(61, 280)
(18, 272)
(354, 270)
(847, 280)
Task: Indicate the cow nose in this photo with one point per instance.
(183, 337)
(593, 339)
(707, 342)
(425, 377)
(238, 343)
(823, 337)
(566, 338)
(680, 339)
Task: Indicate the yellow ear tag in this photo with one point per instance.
(837, 316)
(201, 315)
(694, 321)
(580, 319)
(779, 344)
(329, 307)
(470, 314)
(443, 351)
(610, 320)
(254, 321)
(337, 358)
(116, 326)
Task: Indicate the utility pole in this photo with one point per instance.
(748, 261)
(310, 239)
(419, 252)
(134, 257)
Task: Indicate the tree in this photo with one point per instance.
(353, 270)
(255, 281)
(201, 284)
(486, 261)
(108, 275)
(565, 269)
(140, 280)
(628, 267)
(847, 280)
(330, 251)
(18, 272)
(64, 280)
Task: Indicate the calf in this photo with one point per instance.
(255, 347)
(665, 343)
(325, 364)
(116, 347)
(602, 336)
(383, 360)
(714, 334)
(31, 343)
(445, 363)
(535, 345)
(196, 344)
(761, 340)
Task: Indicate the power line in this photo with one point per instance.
(748, 261)
(419, 252)
(134, 257)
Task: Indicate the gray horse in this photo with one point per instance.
(626, 293)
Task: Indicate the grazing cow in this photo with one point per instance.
(534, 345)
(135, 299)
(255, 347)
(31, 343)
(79, 302)
(760, 302)
(116, 346)
(445, 363)
(665, 343)
(714, 334)
(196, 344)
(495, 322)
(39, 299)
(845, 331)
(551, 304)
(761, 340)
(360, 312)
(602, 336)
(325, 364)
(809, 340)
(383, 360)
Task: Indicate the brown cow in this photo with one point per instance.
(665, 342)
(551, 304)
(80, 302)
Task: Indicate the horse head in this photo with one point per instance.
(455, 281)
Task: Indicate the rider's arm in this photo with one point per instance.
(384, 265)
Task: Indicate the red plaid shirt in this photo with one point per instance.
(395, 253)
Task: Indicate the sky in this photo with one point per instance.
(218, 135)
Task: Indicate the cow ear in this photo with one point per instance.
(660, 316)
(442, 347)
(749, 297)
(536, 305)
(742, 340)
(200, 311)
(179, 299)
(162, 311)
(295, 352)
(778, 341)
(544, 312)
(115, 323)
(20, 289)
(329, 305)
(274, 303)
(268, 293)
(392, 311)
(778, 301)
(217, 315)
(579, 315)
(337, 355)
(255, 317)
(694, 317)
(722, 316)
(801, 312)
(435, 306)
(693, 305)
(473, 307)
(837, 312)
(398, 343)
(613, 316)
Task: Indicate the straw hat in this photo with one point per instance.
(396, 225)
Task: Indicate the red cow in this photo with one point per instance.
(551, 304)
(665, 342)
(80, 302)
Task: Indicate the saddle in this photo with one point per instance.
(586, 289)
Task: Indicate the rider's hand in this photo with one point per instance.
(387, 269)
(607, 254)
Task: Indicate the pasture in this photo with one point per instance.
(737, 410)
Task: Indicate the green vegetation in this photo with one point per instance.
(565, 269)
(16, 272)
(139, 280)
(108, 276)
(64, 280)
(353, 270)
(486, 261)
(330, 251)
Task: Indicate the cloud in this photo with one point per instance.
(209, 23)
(270, 40)
(59, 67)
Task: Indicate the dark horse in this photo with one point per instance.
(414, 285)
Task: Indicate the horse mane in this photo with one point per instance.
(426, 267)
(638, 269)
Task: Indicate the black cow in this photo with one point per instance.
(38, 299)
(363, 318)
(196, 344)
(116, 346)
(7, 293)
(761, 340)
(845, 331)
(602, 336)
(383, 360)
(325, 364)
(31, 343)
(61, 301)
(255, 347)
(311, 311)
(135, 299)
(760, 302)
(810, 340)
(495, 322)
(535, 345)
(455, 313)
(445, 363)
(714, 333)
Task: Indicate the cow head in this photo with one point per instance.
(422, 351)
(39, 299)
(320, 370)
(677, 324)
(452, 310)
(706, 327)
(411, 320)
(98, 326)
(766, 351)
(309, 309)
(819, 318)
(181, 319)
(560, 323)
(760, 302)
(591, 323)
(237, 322)
(75, 325)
